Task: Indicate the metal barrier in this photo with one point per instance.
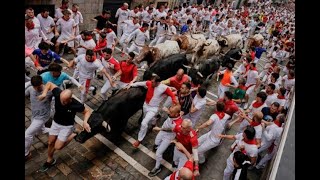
(271, 171)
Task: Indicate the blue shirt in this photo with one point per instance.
(184, 29)
(259, 51)
(45, 59)
(47, 77)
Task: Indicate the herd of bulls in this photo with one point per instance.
(116, 111)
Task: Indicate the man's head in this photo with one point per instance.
(145, 26)
(30, 12)
(131, 57)
(44, 47)
(185, 88)
(180, 74)
(66, 14)
(202, 92)
(228, 95)
(282, 91)
(220, 106)
(75, 7)
(185, 174)
(249, 133)
(274, 107)
(55, 69)
(252, 65)
(155, 80)
(90, 57)
(125, 6)
(174, 111)
(186, 126)
(270, 88)
(261, 97)
(44, 13)
(65, 4)
(281, 118)
(291, 74)
(274, 77)
(257, 116)
(66, 97)
(107, 53)
(36, 82)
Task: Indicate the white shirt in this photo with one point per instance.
(36, 22)
(130, 27)
(159, 14)
(172, 30)
(46, 24)
(111, 38)
(140, 37)
(288, 83)
(271, 98)
(270, 133)
(58, 13)
(251, 149)
(146, 17)
(133, 14)
(122, 15)
(33, 37)
(252, 77)
(78, 18)
(87, 69)
(200, 104)
(217, 126)
(66, 28)
(90, 44)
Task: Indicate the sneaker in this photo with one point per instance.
(136, 144)
(47, 165)
(154, 172)
(94, 91)
(174, 166)
(155, 147)
(27, 157)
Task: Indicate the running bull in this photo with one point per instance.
(114, 113)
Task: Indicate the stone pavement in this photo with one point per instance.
(94, 160)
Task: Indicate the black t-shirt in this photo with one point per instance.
(101, 22)
(65, 115)
(185, 102)
(266, 112)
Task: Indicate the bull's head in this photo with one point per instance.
(143, 53)
(222, 41)
(95, 121)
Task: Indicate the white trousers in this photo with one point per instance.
(36, 127)
(149, 112)
(221, 90)
(105, 89)
(266, 158)
(163, 140)
(179, 158)
(121, 42)
(120, 29)
(84, 82)
(135, 48)
(229, 168)
(205, 144)
(157, 40)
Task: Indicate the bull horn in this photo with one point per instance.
(207, 44)
(106, 125)
(188, 67)
(199, 73)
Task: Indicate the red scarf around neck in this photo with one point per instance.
(109, 30)
(253, 141)
(254, 69)
(277, 123)
(280, 97)
(220, 114)
(257, 104)
(89, 38)
(254, 124)
(141, 29)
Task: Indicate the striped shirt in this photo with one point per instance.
(185, 102)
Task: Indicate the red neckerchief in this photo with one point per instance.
(242, 87)
(254, 124)
(280, 97)
(92, 59)
(254, 69)
(74, 11)
(253, 141)
(89, 38)
(220, 114)
(109, 30)
(277, 123)
(141, 29)
(30, 26)
(247, 67)
(257, 104)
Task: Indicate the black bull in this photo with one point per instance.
(231, 56)
(115, 112)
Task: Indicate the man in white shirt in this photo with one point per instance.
(77, 16)
(141, 36)
(197, 106)
(46, 23)
(161, 28)
(30, 13)
(59, 11)
(130, 26)
(122, 14)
